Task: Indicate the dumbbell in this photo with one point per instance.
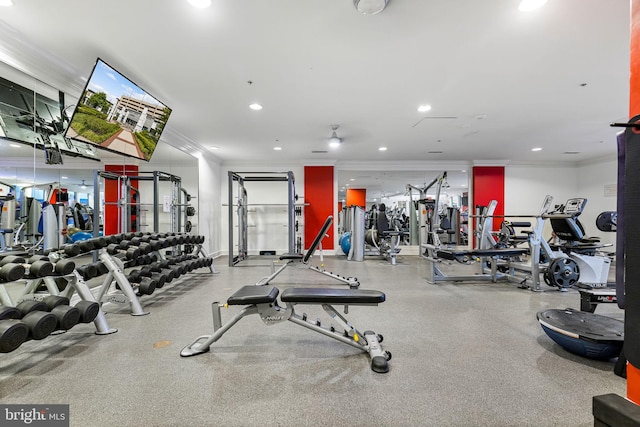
(67, 316)
(39, 268)
(99, 242)
(40, 323)
(160, 279)
(169, 274)
(13, 333)
(9, 313)
(11, 272)
(145, 248)
(102, 268)
(134, 276)
(146, 285)
(87, 271)
(112, 238)
(64, 267)
(71, 250)
(88, 311)
(86, 245)
(129, 253)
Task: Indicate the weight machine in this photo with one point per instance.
(242, 210)
(427, 219)
(129, 203)
(496, 261)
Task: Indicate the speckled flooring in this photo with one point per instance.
(469, 354)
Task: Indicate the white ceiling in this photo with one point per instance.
(554, 78)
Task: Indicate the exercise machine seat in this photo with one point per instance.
(252, 294)
(332, 296)
(571, 230)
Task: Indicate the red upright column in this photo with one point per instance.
(318, 194)
(357, 197)
(631, 330)
(488, 184)
(111, 192)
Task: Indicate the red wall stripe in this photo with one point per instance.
(633, 372)
(488, 184)
(111, 190)
(319, 203)
(356, 197)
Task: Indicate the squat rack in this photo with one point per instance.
(237, 178)
(126, 191)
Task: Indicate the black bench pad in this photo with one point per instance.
(332, 296)
(252, 294)
(291, 256)
(453, 254)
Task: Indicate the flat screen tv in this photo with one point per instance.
(115, 114)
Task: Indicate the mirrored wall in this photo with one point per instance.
(37, 162)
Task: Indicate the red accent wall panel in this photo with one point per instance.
(318, 194)
(488, 184)
(357, 197)
(111, 190)
(633, 372)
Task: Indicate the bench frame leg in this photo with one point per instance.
(368, 342)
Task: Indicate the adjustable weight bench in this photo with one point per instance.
(262, 300)
(300, 260)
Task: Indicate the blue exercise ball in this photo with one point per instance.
(345, 242)
(81, 235)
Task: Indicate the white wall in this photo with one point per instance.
(208, 202)
(598, 183)
(526, 186)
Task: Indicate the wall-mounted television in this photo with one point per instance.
(115, 114)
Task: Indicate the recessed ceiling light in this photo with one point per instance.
(424, 108)
(255, 106)
(214, 147)
(6, 3)
(64, 177)
(529, 5)
(352, 179)
(536, 149)
(201, 4)
(277, 148)
(382, 149)
(15, 145)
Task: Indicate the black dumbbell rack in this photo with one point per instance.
(75, 284)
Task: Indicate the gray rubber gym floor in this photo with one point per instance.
(469, 354)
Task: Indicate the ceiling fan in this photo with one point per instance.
(334, 140)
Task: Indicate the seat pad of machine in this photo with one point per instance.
(253, 294)
(332, 296)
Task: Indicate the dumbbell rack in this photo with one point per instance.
(115, 273)
(115, 268)
(75, 283)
